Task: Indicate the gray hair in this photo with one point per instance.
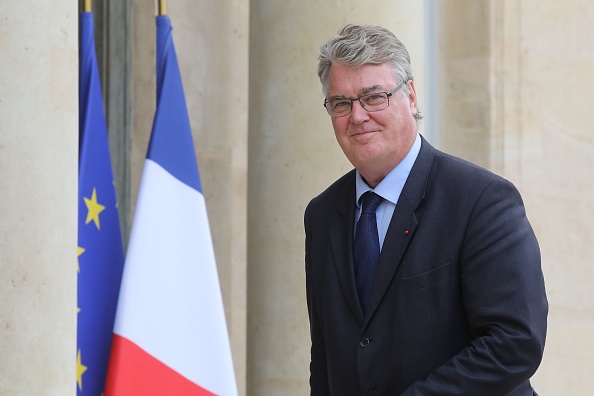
(357, 45)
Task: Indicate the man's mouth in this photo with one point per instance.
(361, 133)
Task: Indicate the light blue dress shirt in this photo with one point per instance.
(389, 189)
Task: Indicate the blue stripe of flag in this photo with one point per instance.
(171, 144)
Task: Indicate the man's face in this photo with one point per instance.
(374, 142)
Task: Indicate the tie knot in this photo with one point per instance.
(369, 202)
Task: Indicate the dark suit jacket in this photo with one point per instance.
(458, 305)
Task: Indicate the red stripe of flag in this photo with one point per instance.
(132, 371)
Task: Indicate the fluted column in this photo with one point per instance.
(38, 197)
(293, 156)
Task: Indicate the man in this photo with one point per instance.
(434, 285)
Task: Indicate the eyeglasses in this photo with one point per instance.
(376, 101)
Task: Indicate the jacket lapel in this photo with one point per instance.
(402, 226)
(341, 238)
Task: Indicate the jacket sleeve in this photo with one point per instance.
(318, 379)
(504, 299)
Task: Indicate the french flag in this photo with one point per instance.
(170, 335)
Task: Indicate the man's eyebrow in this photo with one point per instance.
(372, 88)
(363, 91)
(335, 97)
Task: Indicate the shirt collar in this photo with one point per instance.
(391, 186)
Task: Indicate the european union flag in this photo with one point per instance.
(100, 251)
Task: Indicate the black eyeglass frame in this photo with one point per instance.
(362, 105)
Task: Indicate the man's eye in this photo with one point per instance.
(340, 104)
(374, 98)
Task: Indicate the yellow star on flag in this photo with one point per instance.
(80, 369)
(80, 251)
(94, 208)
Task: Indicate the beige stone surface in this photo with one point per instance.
(293, 156)
(38, 198)
(464, 101)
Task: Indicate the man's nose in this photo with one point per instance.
(358, 112)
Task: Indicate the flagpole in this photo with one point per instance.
(86, 5)
(162, 7)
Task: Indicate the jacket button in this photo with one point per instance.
(364, 342)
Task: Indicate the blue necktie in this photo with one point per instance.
(366, 248)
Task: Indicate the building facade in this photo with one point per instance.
(506, 84)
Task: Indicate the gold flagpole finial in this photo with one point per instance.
(86, 6)
(162, 7)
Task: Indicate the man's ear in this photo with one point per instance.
(412, 97)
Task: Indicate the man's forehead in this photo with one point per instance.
(348, 81)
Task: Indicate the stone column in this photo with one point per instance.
(38, 197)
(464, 94)
(293, 156)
